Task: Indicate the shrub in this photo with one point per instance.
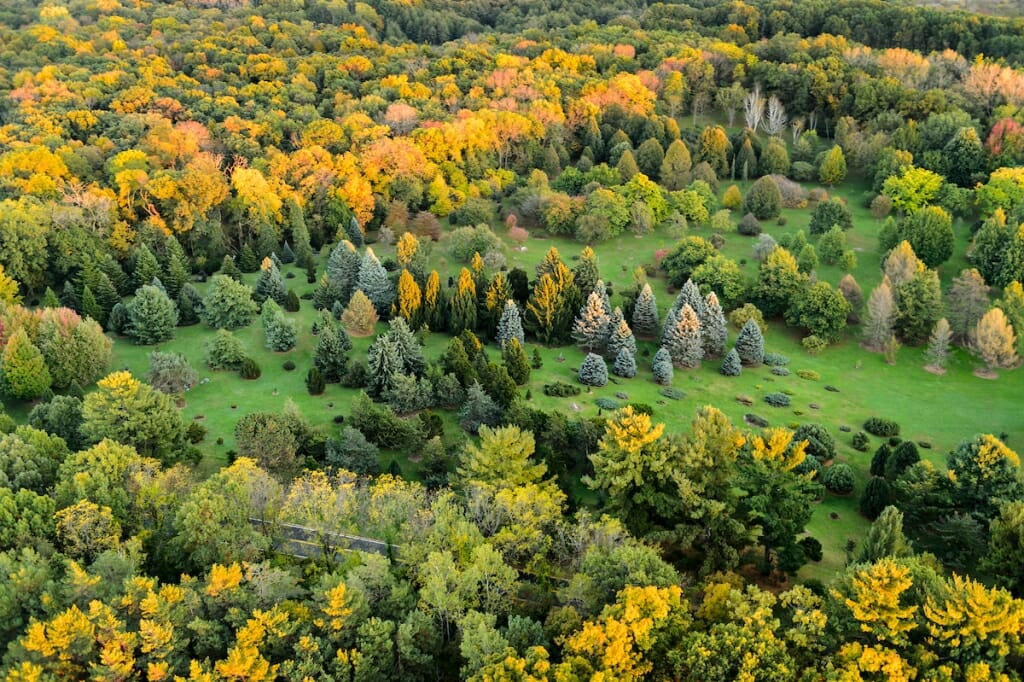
(812, 548)
(808, 374)
(593, 371)
(764, 199)
(642, 408)
(171, 372)
(802, 171)
(839, 479)
(672, 393)
(755, 420)
(810, 465)
(876, 497)
(820, 443)
(860, 442)
(793, 193)
(775, 359)
(315, 383)
(561, 390)
(814, 344)
(731, 365)
(465, 241)
(777, 399)
(288, 366)
(780, 371)
(749, 226)
(195, 433)
(923, 444)
(249, 369)
(607, 403)
(883, 428)
(749, 311)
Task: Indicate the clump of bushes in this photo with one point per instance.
(642, 408)
(775, 359)
(755, 420)
(777, 399)
(249, 369)
(288, 366)
(672, 393)
(839, 479)
(883, 428)
(780, 371)
(808, 374)
(561, 390)
(607, 403)
(860, 441)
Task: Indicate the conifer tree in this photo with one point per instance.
(327, 294)
(881, 316)
(885, 538)
(602, 291)
(248, 261)
(510, 325)
(315, 383)
(591, 329)
(627, 166)
(69, 298)
(545, 309)
(919, 303)
(462, 309)
(178, 271)
(373, 281)
(287, 255)
(498, 292)
(434, 304)
(118, 321)
(586, 274)
(270, 284)
(343, 270)
(407, 252)
(901, 265)
(360, 317)
(152, 316)
(383, 365)
(49, 299)
(750, 344)
(645, 313)
(228, 268)
(410, 298)
(689, 294)
(851, 291)
(479, 409)
(280, 332)
(332, 346)
(938, 346)
(684, 341)
(731, 365)
(967, 301)
(355, 232)
(625, 363)
(676, 166)
(266, 241)
(1012, 304)
(713, 327)
(593, 371)
(407, 346)
(23, 371)
(536, 361)
(661, 366)
(146, 266)
(514, 357)
(621, 337)
(994, 341)
(90, 308)
(300, 236)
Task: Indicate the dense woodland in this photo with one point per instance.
(491, 285)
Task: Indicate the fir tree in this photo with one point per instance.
(514, 357)
(292, 304)
(462, 308)
(750, 344)
(714, 332)
(938, 346)
(625, 363)
(178, 270)
(315, 383)
(661, 366)
(230, 269)
(331, 355)
(49, 299)
(536, 361)
(69, 297)
(300, 236)
(270, 284)
(343, 267)
(593, 371)
(152, 316)
(620, 338)
(407, 346)
(645, 313)
(266, 241)
(586, 273)
(732, 365)
(90, 308)
(373, 281)
(279, 331)
(287, 255)
(592, 326)
(510, 326)
(119, 321)
(355, 232)
(190, 306)
(478, 410)
(684, 342)
(383, 364)
(248, 261)
(146, 266)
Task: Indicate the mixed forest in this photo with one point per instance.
(444, 339)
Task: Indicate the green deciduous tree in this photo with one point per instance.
(763, 199)
(832, 169)
(821, 310)
(930, 232)
(23, 371)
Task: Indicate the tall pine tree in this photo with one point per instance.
(714, 331)
(373, 281)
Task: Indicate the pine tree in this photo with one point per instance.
(434, 304)
(593, 371)
(23, 371)
(586, 274)
(270, 284)
(625, 363)
(592, 326)
(514, 357)
(938, 345)
(683, 341)
(343, 270)
(661, 366)
(90, 308)
(373, 281)
(410, 298)
(714, 330)
(645, 313)
(994, 341)
(383, 364)
(300, 236)
(885, 538)
(315, 384)
(146, 266)
(750, 344)
(620, 338)
(331, 355)
(407, 346)
(881, 316)
(248, 261)
(731, 365)
(510, 326)
(49, 299)
(228, 268)
(152, 316)
(360, 317)
(462, 307)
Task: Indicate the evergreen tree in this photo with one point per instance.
(994, 341)
(119, 321)
(360, 317)
(90, 308)
(353, 453)
(591, 329)
(49, 299)
(343, 267)
(462, 308)
(661, 366)
(779, 280)
(510, 325)
(315, 383)
(689, 294)
(279, 330)
(645, 313)
(1012, 304)
(248, 260)
(355, 232)
(23, 371)
(228, 268)
(886, 538)
(763, 199)
(146, 266)
(179, 272)
(373, 281)
(152, 316)
(478, 410)
(407, 346)
(292, 304)
(514, 357)
(676, 166)
(750, 344)
(434, 304)
(270, 284)
(327, 294)
(586, 274)
(684, 339)
(880, 459)
(714, 330)
(536, 361)
(627, 167)
(731, 365)
(300, 236)
(266, 241)
(69, 298)
(807, 259)
(287, 255)
(938, 345)
(919, 302)
(877, 496)
(228, 304)
(625, 363)
(190, 306)
(498, 292)
(593, 371)
(332, 346)
(383, 364)
(621, 338)
(832, 170)
(410, 298)
(881, 318)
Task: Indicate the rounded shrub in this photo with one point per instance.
(288, 366)
(839, 479)
(777, 399)
(775, 359)
(812, 548)
(883, 428)
(860, 441)
(820, 443)
(749, 225)
(315, 383)
(249, 369)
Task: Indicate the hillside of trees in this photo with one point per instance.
(454, 339)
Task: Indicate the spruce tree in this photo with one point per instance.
(938, 346)
(625, 363)
(620, 338)
(248, 260)
(354, 232)
(49, 299)
(90, 308)
(661, 367)
(315, 383)
(714, 331)
(343, 270)
(645, 313)
(731, 365)
(69, 298)
(152, 316)
(300, 236)
(270, 284)
(750, 344)
(383, 364)
(112, 269)
(332, 346)
(684, 341)
(279, 330)
(689, 294)
(514, 357)
(462, 308)
(178, 271)
(668, 325)
(478, 410)
(230, 269)
(287, 255)
(586, 275)
(119, 321)
(510, 325)
(592, 326)
(407, 346)
(146, 266)
(593, 371)
(536, 361)
(373, 281)
(327, 294)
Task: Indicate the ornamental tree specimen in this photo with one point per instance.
(229, 304)
(821, 310)
(270, 284)
(516, 362)
(510, 325)
(410, 352)
(625, 363)
(332, 347)
(731, 365)
(994, 341)
(171, 373)
(591, 329)
(343, 270)
(645, 313)
(920, 306)
(750, 344)
(620, 338)
(930, 233)
(714, 332)
(410, 298)
(360, 316)
(881, 316)
(224, 351)
(661, 366)
(462, 307)
(152, 316)
(967, 301)
(832, 170)
(23, 371)
(383, 364)
(779, 280)
(828, 214)
(684, 341)
(593, 371)
(373, 281)
(763, 199)
(938, 346)
(279, 330)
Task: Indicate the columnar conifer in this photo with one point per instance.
(713, 329)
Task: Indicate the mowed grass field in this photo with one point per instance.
(939, 410)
